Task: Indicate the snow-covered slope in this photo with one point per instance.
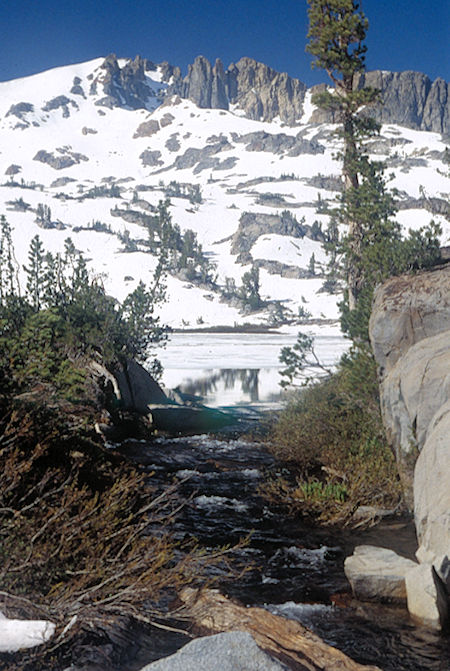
(69, 135)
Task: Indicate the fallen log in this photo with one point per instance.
(286, 640)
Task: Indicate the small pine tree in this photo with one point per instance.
(35, 273)
(9, 285)
(250, 288)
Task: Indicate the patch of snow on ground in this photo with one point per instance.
(18, 634)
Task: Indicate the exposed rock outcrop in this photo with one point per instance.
(125, 86)
(427, 596)
(137, 388)
(408, 309)
(410, 335)
(65, 159)
(147, 128)
(264, 93)
(254, 224)
(261, 92)
(409, 99)
(133, 390)
(19, 634)
(60, 102)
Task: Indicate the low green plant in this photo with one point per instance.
(317, 491)
(330, 436)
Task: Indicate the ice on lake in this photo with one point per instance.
(229, 369)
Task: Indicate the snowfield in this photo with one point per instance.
(59, 141)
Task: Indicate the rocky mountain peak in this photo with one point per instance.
(408, 98)
(264, 93)
(261, 92)
(124, 86)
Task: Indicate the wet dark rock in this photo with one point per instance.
(188, 419)
(137, 388)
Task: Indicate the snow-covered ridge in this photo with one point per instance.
(70, 140)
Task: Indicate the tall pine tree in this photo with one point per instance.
(337, 30)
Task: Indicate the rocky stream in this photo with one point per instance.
(296, 571)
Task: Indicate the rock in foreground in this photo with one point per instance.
(286, 640)
(233, 651)
(427, 598)
(410, 336)
(378, 574)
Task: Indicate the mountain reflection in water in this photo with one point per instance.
(245, 382)
(229, 369)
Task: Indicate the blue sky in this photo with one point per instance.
(41, 34)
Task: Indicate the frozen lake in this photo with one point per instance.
(235, 368)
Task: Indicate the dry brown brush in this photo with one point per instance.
(75, 544)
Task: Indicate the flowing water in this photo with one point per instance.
(297, 571)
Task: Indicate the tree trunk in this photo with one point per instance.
(286, 640)
(351, 181)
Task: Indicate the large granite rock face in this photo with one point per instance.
(410, 334)
(408, 309)
(408, 98)
(411, 99)
(427, 596)
(261, 92)
(412, 392)
(432, 492)
(230, 651)
(264, 93)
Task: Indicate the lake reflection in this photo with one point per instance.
(233, 368)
